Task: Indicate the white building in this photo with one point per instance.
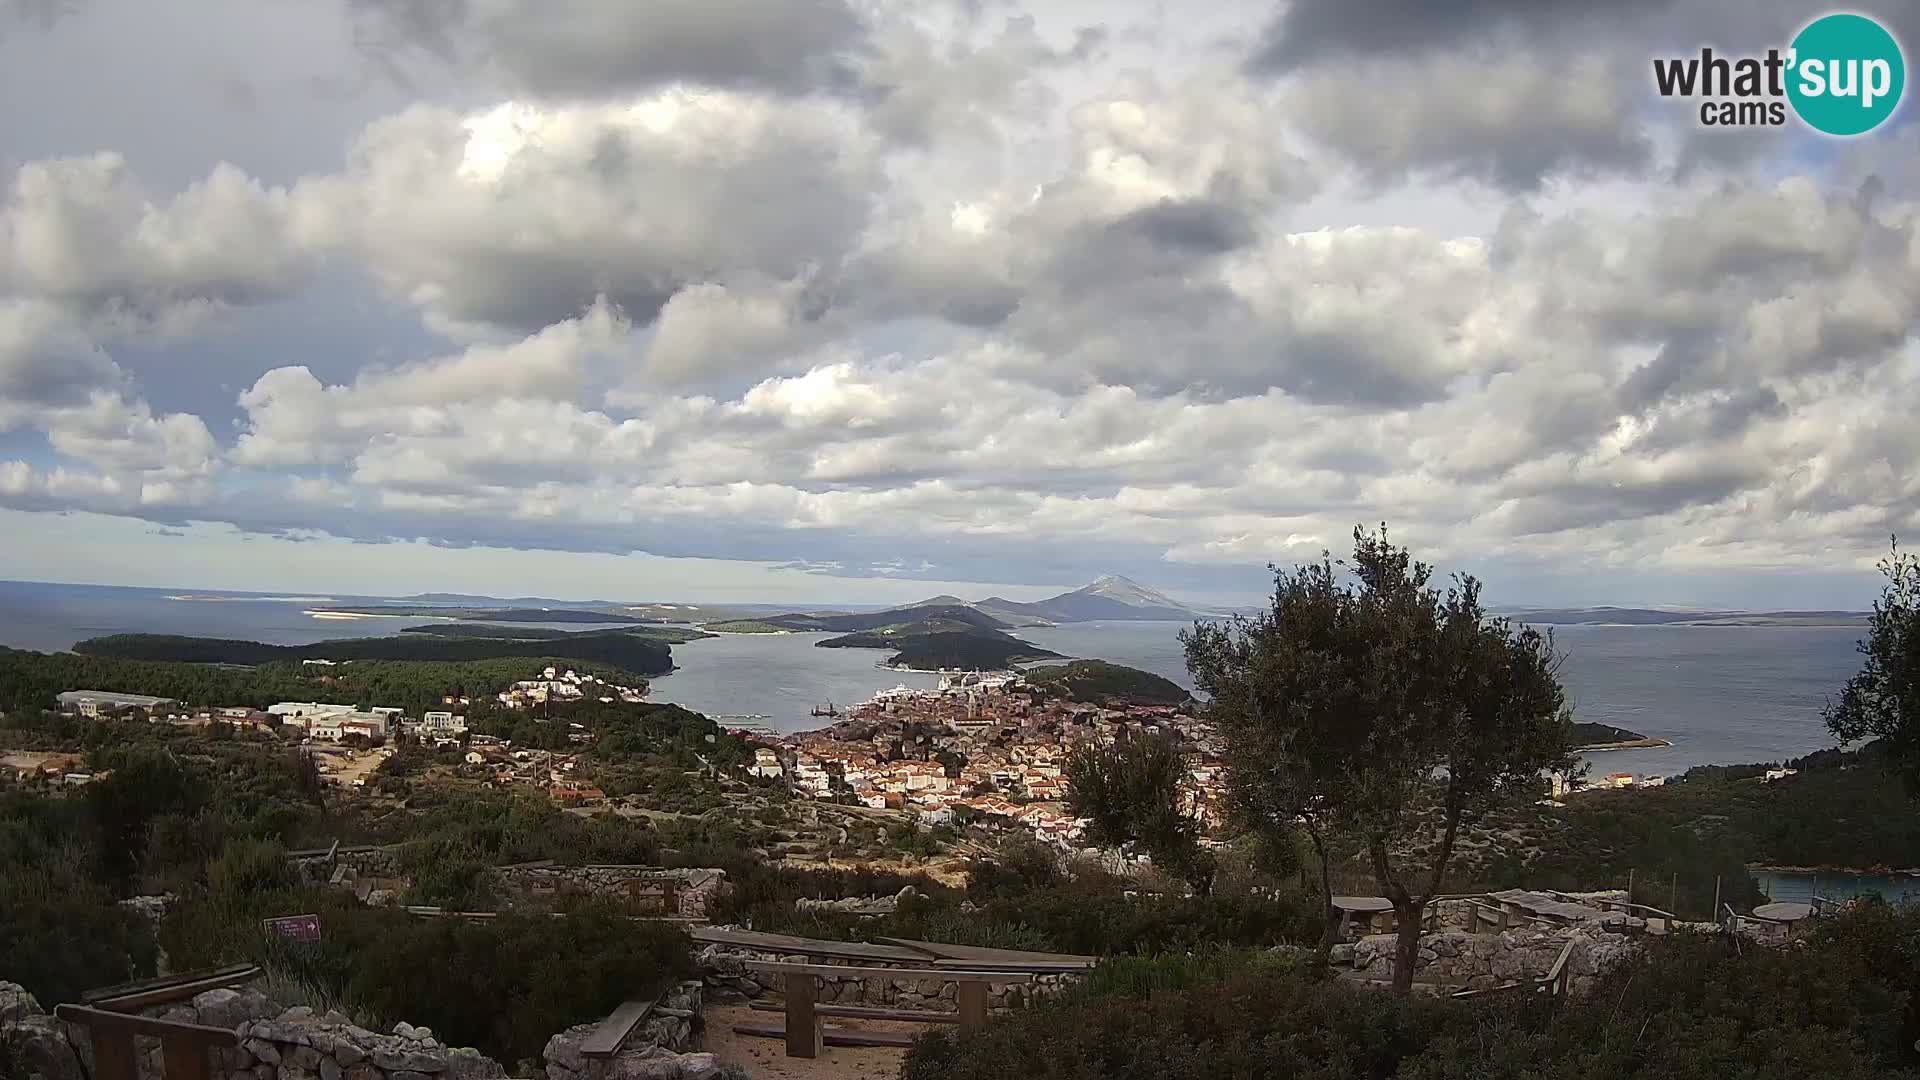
(94, 702)
(442, 723)
(307, 709)
(766, 763)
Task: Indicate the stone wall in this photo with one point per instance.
(692, 890)
(361, 862)
(376, 876)
(275, 1044)
(656, 1049)
(723, 969)
(1478, 961)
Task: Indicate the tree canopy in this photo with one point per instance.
(1133, 791)
(1883, 699)
(1369, 703)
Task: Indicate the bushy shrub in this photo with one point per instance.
(1692, 1007)
(1251, 1025)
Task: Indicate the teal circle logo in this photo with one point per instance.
(1846, 74)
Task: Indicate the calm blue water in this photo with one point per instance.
(1720, 694)
(1799, 888)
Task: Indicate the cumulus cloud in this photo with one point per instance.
(519, 216)
(942, 290)
(83, 233)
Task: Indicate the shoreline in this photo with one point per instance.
(1839, 871)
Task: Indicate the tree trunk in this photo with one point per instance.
(1330, 919)
(1406, 916)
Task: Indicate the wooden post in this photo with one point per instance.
(112, 1053)
(1629, 884)
(972, 998)
(1715, 909)
(183, 1059)
(1673, 896)
(803, 1024)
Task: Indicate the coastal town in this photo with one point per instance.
(978, 748)
(981, 749)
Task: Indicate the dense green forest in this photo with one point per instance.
(1098, 681)
(613, 647)
(30, 680)
(1844, 810)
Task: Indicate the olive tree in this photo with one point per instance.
(1134, 793)
(1367, 706)
(1883, 699)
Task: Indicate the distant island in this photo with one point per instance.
(672, 635)
(1100, 682)
(1588, 736)
(630, 652)
(533, 615)
(1623, 616)
(937, 644)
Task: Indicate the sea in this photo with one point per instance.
(1720, 695)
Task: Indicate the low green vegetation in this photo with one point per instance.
(616, 648)
(1689, 1009)
(1100, 682)
(1586, 734)
(745, 626)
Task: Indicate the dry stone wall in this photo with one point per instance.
(377, 875)
(723, 969)
(1479, 961)
(692, 890)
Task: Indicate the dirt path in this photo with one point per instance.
(766, 1059)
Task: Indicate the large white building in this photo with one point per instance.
(307, 710)
(95, 702)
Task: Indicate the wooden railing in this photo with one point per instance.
(183, 1047)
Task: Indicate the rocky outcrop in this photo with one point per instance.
(656, 1050)
(860, 905)
(1479, 961)
(33, 1045)
(723, 969)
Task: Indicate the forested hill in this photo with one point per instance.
(612, 648)
(1098, 681)
(31, 680)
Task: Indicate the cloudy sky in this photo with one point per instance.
(865, 299)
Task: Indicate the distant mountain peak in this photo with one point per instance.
(1128, 591)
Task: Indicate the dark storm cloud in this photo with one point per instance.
(602, 48)
(1190, 226)
(1305, 32)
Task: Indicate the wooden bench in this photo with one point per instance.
(134, 996)
(183, 1047)
(605, 1040)
(803, 1030)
